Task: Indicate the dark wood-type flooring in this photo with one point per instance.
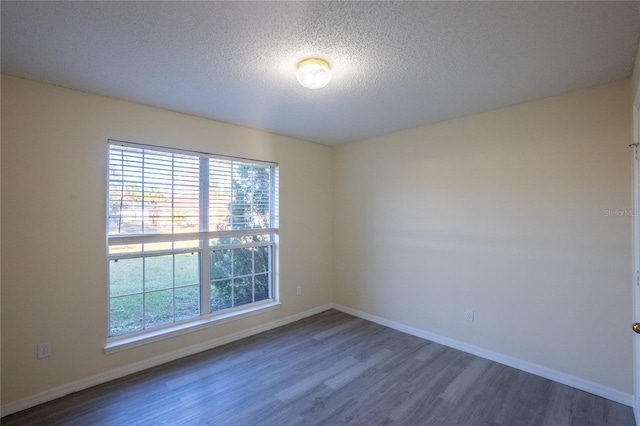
(329, 369)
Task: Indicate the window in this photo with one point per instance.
(190, 235)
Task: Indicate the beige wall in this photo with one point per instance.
(504, 212)
(54, 146)
(635, 77)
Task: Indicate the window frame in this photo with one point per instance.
(204, 250)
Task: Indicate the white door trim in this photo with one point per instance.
(636, 254)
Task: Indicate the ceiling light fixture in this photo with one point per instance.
(313, 73)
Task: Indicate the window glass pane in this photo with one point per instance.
(242, 240)
(158, 308)
(186, 194)
(220, 194)
(221, 295)
(131, 222)
(187, 300)
(242, 291)
(239, 195)
(261, 259)
(187, 269)
(219, 241)
(158, 246)
(158, 272)
(250, 239)
(250, 205)
(125, 277)
(185, 220)
(242, 261)
(126, 314)
(121, 249)
(152, 192)
(125, 190)
(221, 262)
(194, 244)
(261, 286)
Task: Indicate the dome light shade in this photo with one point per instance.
(313, 73)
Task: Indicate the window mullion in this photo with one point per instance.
(273, 204)
(144, 292)
(232, 193)
(173, 284)
(253, 275)
(173, 195)
(142, 221)
(233, 274)
(205, 256)
(270, 271)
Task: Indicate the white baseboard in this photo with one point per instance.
(538, 370)
(636, 409)
(60, 391)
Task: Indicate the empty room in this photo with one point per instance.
(300, 213)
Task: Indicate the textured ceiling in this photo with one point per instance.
(395, 65)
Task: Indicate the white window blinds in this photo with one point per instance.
(168, 192)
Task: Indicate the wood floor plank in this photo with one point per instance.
(429, 350)
(350, 374)
(465, 380)
(324, 402)
(329, 369)
(310, 382)
(337, 329)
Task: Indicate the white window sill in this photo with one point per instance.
(118, 344)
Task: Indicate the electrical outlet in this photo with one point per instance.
(298, 291)
(468, 315)
(44, 350)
